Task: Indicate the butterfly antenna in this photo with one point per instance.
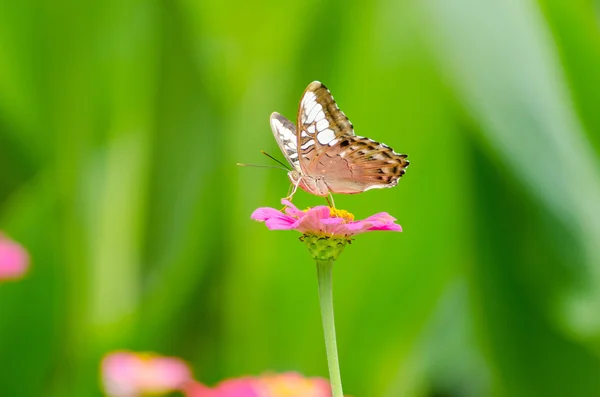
(262, 166)
(274, 159)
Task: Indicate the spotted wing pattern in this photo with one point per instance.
(329, 149)
(356, 164)
(320, 122)
(285, 135)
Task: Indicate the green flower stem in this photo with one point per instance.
(324, 268)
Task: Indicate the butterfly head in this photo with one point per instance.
(312, 185)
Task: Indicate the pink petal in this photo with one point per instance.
(311, 222)
(275, 220)
(14, 259)
(242, 387)
(292, 384)
(280, 223)
(197, 389)
(127, 374)
(323, 211)
(291, 210)
(381, 216)
(332, 221)
(340, 230)
(264, 213)
(393, 227)
(381, 221)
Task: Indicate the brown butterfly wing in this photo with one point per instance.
(320, 124)
(358, 164)
(329, 149)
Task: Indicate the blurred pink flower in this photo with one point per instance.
(323, 221)
(14, 259)
(289, 384)
(127, 374)
(292, 384)
(240, 387)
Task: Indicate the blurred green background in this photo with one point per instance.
(120, 126)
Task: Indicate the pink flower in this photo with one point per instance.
(239, 387)
(292, 384)
(323, 221)
(289, 384)
(14, 259)
(127, 374)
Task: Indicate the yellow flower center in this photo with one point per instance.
(347, 216)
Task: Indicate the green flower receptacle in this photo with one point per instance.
(324, 248)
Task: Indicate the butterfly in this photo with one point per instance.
(324, 153)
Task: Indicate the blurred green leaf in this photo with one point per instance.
(500, 59)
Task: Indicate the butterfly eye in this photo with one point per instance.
(294, 175)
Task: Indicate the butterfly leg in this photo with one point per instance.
(288, 197)
(291, 195)
(330, 200)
